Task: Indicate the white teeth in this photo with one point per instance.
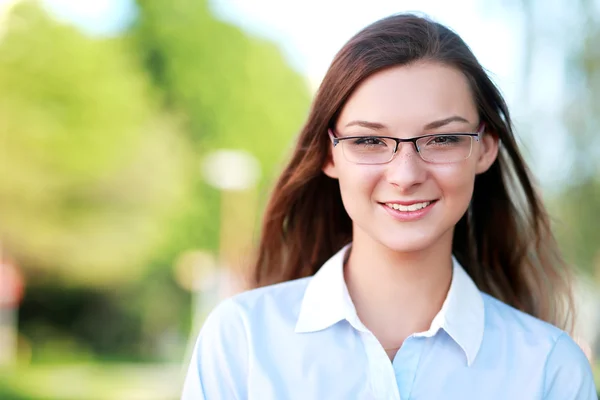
(412, 207)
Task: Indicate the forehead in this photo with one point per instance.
(410, 96)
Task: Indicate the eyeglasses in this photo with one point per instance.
(443, 148)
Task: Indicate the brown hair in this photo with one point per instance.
(504, 241)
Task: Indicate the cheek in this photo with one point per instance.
(455, 181)
(357, 184)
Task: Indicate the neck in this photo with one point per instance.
(397, 294)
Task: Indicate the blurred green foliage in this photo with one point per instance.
(566, 33)
(91, 165)
(579, 203)
(101, 147)
(232, 91)
(578, 213)
(576, 204)
(571, 30)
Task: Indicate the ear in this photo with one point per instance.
(329, 167)
(488, 151)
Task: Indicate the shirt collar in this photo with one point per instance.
(326, 301)
(462, 315)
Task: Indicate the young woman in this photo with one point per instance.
(405, 253)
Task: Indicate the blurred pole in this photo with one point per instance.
(196, 271)
(238, 213)
(235, 173)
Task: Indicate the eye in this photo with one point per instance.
(444, 140)
(369, 141)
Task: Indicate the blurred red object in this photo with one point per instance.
(11, 285)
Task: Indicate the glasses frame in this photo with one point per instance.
(476, 135)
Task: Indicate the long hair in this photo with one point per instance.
(504, 241)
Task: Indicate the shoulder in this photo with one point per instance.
(502, 318)
(286, 292)
(278, 302)
(281, 297)
(219, 365)
(567, 373)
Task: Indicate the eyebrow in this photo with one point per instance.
(366, 124)
(432, 125)
(446, 121)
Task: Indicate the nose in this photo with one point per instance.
(407, 169)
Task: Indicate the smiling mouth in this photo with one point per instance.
(409, 207)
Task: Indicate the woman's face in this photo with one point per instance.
(409, 204)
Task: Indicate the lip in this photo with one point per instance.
(407, 203)
(405, 216)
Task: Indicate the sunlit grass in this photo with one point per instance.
(92, 382)
(101, 382)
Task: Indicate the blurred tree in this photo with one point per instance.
(575, 35)
(232, 90)
(579, 203)
(100, 171)
(90, 169)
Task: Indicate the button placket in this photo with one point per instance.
(381, 372)
(406, 362)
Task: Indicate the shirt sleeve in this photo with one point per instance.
(568, 374)
(219, 365)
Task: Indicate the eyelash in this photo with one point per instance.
(365, 139)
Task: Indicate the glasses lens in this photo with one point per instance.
(445, 148)
(368, 150)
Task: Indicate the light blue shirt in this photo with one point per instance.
(303, 340)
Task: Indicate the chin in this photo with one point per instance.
(408, 244)
(413, 239)
(410, 237)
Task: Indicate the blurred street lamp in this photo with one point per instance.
(231, 170)
(236, 174)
